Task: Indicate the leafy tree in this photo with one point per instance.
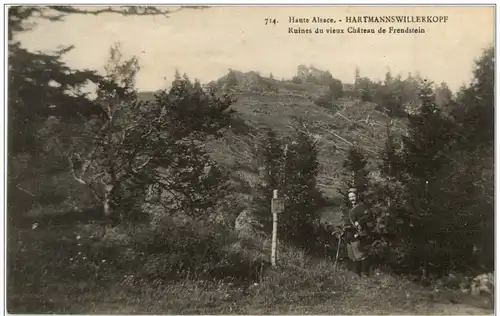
(357, 77)
(430, 136)
(334, 92)
(392, 97)
(434, 196)
(391, 192)
(426, 152)
(390, 165)
(137, 145)
(41, 84)
(388, 78)
(290, 165)
(322, 77)
(271, 158)
(389, 202)
(444, 171)
(474, 111)
(475, 105)
(33, 75)
(231, 80)
(296, 80)
(355, 174)
(336, 89)
(44, 91)
(443, 97)
(364, 89)
(411, 89)
(104, 156)
(302, 197)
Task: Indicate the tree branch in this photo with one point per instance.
(87, 162)
(136, 170)
(70, 161)
(94, 191)
(120, 10)
(72, 169)
(341, 138)
(25, 191)
(342, 116)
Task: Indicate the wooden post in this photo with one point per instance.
(277, 206)
(275, 230)
(275, 239)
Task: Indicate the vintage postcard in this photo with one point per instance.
(244, 159)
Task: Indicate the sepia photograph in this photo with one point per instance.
(250, 159)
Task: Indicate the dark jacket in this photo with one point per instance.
(360, 214)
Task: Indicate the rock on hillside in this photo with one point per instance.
(239, 81)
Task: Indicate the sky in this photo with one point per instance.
(206, 43)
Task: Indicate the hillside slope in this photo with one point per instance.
(268, 103)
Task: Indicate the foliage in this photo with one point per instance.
(444, 97)
(41, 84)
(194, 249)
(474, 114)
(474, 110)
(43, 90)
(436, 191)
(393, 96)
(425, 152)
(291, 167)
(302, 197)
(364, 89)
(334, 92)
(390, 198)
(391, 161)
(355, 175)
(430, 135)
(144, 146)
(130, 258)
(231, 80)
(336, 88)
(390, 96)
(271, 158)
(32, 75)
(103, 280)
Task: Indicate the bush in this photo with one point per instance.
(102, 257)
(174, 251)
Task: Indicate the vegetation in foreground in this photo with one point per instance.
(83, 273)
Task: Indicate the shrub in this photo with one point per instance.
(102, 257)
(201, 250)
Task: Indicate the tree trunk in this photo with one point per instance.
(108, 188)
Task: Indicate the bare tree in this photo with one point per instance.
(108, 151)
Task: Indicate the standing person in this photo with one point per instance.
(356, 223)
